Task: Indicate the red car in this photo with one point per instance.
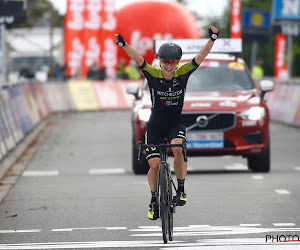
(224, 112)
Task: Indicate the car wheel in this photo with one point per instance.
(260, 162)
(138, 167)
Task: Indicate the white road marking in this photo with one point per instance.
(20, 231)
(149, 227)
(207, 230)
(116, 228)
(250, 225)
(282, 191)
(88, 228)
(40, 173)
(283, 224)
(90, 244)
(206, 244)
(237, 166)
(104, 171)
(234, 244)
(257, 177)
(198, 226)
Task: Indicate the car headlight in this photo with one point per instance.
(144, 114)
(254, 113)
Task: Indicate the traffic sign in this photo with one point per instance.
(286, 10)
(257, 19)
(256, 25)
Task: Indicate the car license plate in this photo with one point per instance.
(205, 140)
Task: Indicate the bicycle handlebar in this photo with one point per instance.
(163, 145)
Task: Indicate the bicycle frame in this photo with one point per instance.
(166, 204)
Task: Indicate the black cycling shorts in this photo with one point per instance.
(158, 130)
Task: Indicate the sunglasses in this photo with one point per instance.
(166, 61)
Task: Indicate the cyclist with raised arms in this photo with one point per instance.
(167, 88)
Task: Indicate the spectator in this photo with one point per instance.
(27, 72)
(257, 70)
(132, 71)
(102, 73)
(121, 70)
(92, 73)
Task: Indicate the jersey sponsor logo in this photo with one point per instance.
(170, 98)
(168, 93)
(170, 103)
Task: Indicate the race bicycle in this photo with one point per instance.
(167, 204)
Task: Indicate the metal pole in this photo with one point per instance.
(289, 54)
(253, 54)
(3, 55)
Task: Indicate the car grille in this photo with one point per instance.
(209, 120)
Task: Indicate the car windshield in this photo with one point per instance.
(220, 76)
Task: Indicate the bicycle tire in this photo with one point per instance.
(163, 204)
(170, 208)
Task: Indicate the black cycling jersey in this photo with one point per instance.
(167, 101)
(167, 96)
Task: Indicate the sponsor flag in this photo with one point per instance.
(108, 57)
(236, 26)
(280, 68)
(90, 36)
(73, 27)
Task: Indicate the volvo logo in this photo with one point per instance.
(202, 121)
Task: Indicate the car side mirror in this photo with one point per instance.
(266, 86)
(133, 89)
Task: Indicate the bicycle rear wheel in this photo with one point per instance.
(163, 194)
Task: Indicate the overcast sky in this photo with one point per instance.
(205, 8)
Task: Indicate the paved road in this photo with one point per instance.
(79, 192)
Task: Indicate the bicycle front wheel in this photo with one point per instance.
(170, 209)
(163, 205)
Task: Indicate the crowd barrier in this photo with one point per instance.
(22, 107)
(284, 103)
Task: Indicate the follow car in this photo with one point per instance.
(224, 110)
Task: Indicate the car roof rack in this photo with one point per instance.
(191, 46)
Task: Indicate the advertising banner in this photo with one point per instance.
(31, 103)
(280, 68)
(91, 34)
(108, 58)
(55, 97)
(236, 24)
(40, 100)
(20, 108)
(6, 130)
(73, 27)
(113, 95)
(83, 94)
(297, 96)
(12, 122)
(2, 142)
